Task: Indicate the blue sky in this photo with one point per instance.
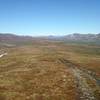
(49, 17)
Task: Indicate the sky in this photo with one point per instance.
(49, 17)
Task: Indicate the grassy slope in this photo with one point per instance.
(33, 72)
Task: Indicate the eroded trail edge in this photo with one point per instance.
(84, 89)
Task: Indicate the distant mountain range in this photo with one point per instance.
(12, 39)
(76, 37)
(86, 37)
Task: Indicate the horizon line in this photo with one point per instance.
(45, 35)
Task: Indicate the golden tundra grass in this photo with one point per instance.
(34, 72)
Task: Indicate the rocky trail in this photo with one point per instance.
(85, 90)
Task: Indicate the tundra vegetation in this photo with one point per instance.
(49, 69)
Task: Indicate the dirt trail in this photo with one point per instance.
(1, 55)
(85, 92)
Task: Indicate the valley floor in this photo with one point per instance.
(50, 72)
